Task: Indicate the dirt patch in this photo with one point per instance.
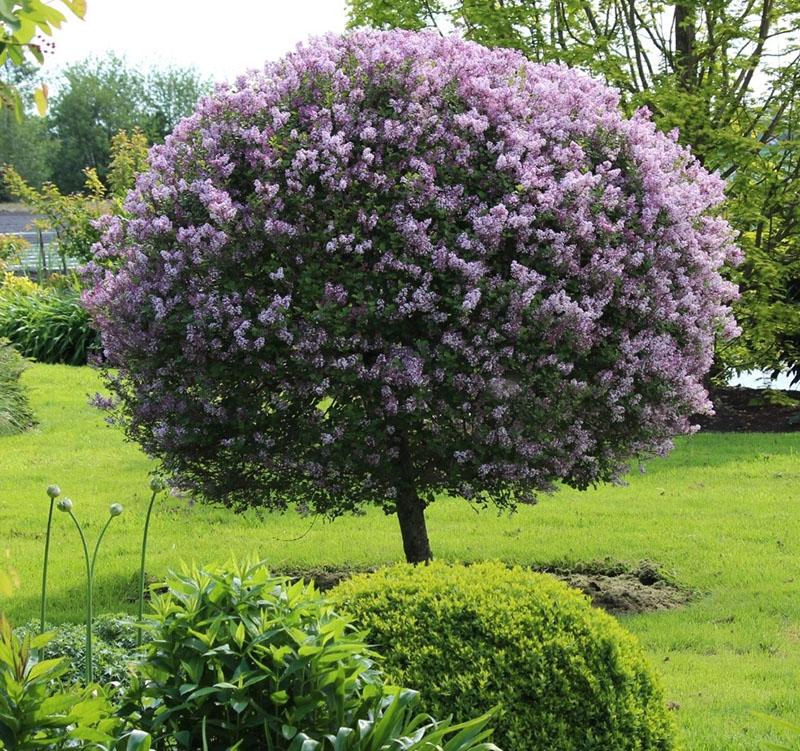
(753, 410)
(613, 586)
(623, 589)
(625, 594)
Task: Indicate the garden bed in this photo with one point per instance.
(753, 410)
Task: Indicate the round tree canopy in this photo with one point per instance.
(393, 263)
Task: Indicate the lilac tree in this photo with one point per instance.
(394, 265)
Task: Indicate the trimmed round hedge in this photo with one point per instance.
(566, 676)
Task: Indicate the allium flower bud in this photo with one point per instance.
(65, 505)
(115, 509)
(157, 484)
(53, 491)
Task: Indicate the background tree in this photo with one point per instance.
(727, 74)
(96, 100)
(169, 94)
(99, 98)
(394, 266)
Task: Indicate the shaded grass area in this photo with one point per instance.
(720, 515)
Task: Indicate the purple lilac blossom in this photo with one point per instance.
(392, 254)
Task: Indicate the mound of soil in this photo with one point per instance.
(626, 594)
(741, 409)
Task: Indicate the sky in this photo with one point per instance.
(220, 38)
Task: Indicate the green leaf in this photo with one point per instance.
(279, 697)
(78, 7)
(240, 634)
(40, 99)
(138, 740)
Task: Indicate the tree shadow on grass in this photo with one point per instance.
(113, 593)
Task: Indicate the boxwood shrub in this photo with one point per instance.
(566, 676)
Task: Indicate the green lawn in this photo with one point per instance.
(720, 514)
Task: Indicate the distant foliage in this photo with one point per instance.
(15, 411)
(69, 216)
(98, 98)
(565, 675)
(72, 216)
(28, 147)
(395, 265)
(11, 249)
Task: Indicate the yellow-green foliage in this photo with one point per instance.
(567, 677)
(11, 284)
(11, 248)
(71, 216)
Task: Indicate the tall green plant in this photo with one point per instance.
(53, 491)
(115, 510)
(156, 486)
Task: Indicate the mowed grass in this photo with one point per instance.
(721, 515)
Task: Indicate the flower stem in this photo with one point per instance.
(43, 613)
(141, 570)
(97, 544)
(88, 655)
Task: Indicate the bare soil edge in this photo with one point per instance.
(616, 587)
(744, 410)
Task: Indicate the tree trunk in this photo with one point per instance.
(685, 52)
(411, 515)
(411, 509)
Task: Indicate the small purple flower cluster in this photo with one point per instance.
(392, 256)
